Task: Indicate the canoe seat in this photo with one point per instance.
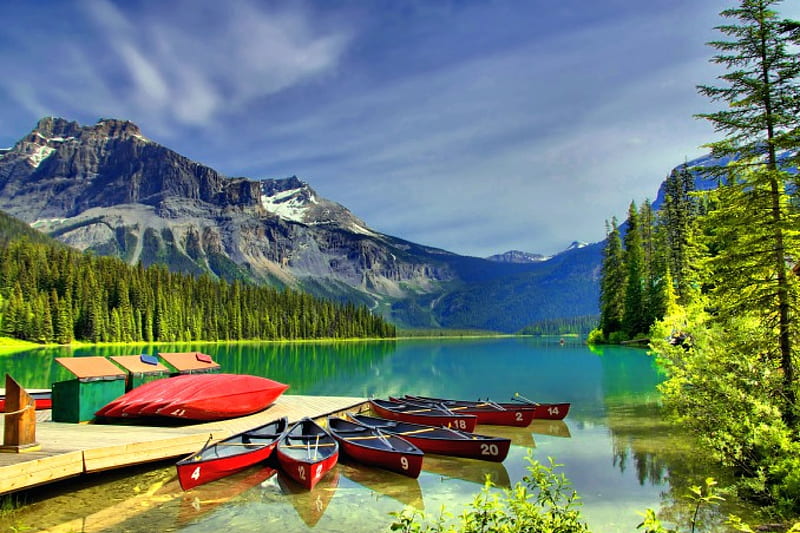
(261, 435)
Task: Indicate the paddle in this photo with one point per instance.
(523, 400)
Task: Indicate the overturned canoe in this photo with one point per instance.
(442, 440)
(197, 397)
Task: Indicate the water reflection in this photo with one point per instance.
(310, 504)
(618, 453)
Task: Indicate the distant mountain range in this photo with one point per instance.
(108, 189)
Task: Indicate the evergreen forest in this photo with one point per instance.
(50, 293)
(711, 278)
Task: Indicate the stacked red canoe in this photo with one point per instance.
(197, 397)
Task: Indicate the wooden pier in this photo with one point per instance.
(68, 450)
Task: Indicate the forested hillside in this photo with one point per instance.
(50, 293)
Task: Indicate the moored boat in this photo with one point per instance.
(43, 399)
(230, 455)
(307, 452)
(422, 414)
(488, 412)
(442, 440)
(543, 411)
(197, 397)
(371, 446)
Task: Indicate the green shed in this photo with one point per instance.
(141, 369)
(97, 382)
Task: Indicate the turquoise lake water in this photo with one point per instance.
(619, 454)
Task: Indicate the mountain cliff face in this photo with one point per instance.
(108, 189)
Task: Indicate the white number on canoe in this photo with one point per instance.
(404, 462)
(518, 416)
(459, 424)
(319, 470)
(196, 473)
(489, 449)
(301, 472)
(178, 412)
(552, 410)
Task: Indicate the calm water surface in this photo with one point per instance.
(614, 447)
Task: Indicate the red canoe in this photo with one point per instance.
(369, 445)
(230, 455)
(542, 411)
(197, 397)
(421, 414)
(487, 412)
(307, 452)
(441, 440)
(42, 398)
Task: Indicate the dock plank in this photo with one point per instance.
(69, 450)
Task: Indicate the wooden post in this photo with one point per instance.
(19, 428)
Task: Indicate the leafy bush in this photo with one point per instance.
(543, 503)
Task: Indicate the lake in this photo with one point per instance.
(619, 454)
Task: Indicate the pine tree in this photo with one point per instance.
(633, 318)
(754, 221)
(612, 282)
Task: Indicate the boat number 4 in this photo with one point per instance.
(489, 449)
(196, 474)
(552, 410)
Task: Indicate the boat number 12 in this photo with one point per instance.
(489, 449)
(301, 472)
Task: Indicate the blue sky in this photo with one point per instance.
(474, 126)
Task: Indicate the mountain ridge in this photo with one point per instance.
(108, 189)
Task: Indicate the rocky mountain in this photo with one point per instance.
(109, 189)
(517, 256)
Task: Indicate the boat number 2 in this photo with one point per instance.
(489, 449)
(301, 472)
(404, 462)
(552, 410)
(518, 416)
(196, 473)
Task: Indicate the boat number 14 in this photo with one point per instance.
(552, 410)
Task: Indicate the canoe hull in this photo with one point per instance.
(452, 420)
(306, 453)
(543, 411)
(230, 455)
(368, 446)
(443, 441)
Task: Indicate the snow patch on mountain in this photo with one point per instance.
(290, 204)
(39, 154)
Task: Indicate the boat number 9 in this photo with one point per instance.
(404, 462)
(518, 416)
(489, 449)
(301, 472)
(552, 410)
(196, 473)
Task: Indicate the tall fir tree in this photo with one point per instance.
(634, 318)
(756, 225)
(612, 282)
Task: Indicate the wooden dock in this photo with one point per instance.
(69, 450)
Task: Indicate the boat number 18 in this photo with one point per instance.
(459, 424)
(489, 449)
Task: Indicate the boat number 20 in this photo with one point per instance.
(489, 449)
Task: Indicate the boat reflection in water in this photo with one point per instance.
(554, 428)
(200, 500)
(467, 469)
(310, 504)
(404, 489)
